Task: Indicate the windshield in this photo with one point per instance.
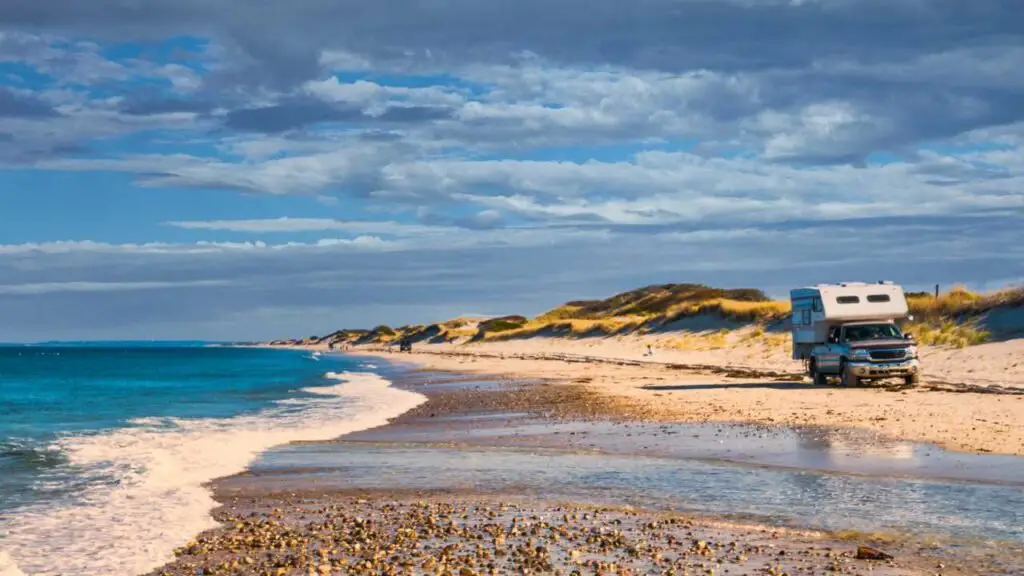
(871, 332)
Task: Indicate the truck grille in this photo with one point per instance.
(888, 354)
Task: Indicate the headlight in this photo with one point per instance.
(860, 355)
(912, 352)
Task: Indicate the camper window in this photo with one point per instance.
(878, 297)
(847, 299)
(817, 305)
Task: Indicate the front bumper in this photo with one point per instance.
(885, 369)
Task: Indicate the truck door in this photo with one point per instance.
(829, 360)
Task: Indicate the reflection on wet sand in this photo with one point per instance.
(844, 446)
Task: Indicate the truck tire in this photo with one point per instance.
(846, 378)
(819, 378)
(912, 380)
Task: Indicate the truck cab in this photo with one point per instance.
(850, 331)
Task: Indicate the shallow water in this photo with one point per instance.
(801, 477)
(848, 452)
(953, 510)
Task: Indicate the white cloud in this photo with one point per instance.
(653, 187)
(285, 225)
(72, 289)
(371, 94)
(708, 139)
(53, 287)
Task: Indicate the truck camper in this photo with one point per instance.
(849, 330)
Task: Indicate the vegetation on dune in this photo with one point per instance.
(758, 312)
(948, 333)
(960, 303)
(647, 302)
(952, 319)
(647, 309)
(955, 318)
(502, 324)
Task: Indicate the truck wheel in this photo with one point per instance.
(819, 378)
(846, 378)
(911, 379)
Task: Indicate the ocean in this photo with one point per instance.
(104, 448)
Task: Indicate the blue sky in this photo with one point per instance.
(188, 169)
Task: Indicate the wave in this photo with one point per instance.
(23, 453)
(149, 495)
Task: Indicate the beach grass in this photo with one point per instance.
(959, 302)
(948, 333)
(702, 315)
(956, 318)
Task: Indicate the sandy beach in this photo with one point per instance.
(467, 483)
(978, 414)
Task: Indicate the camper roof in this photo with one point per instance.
(853, 301)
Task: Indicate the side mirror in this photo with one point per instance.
(908, 336)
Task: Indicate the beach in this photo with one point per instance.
(952, 409)
(504, 470)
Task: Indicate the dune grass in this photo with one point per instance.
(948, 334)
(737, 310)
(570, 327)
(954, 318)
(959, 302)
(644, 309)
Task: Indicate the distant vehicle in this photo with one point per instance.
(848, 330)
(405, 345)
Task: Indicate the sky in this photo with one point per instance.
(216, 169)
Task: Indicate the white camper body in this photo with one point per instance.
(816, 309)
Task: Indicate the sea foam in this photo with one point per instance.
(157, 501)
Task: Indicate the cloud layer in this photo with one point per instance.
(423, 159)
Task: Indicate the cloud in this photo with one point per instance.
(658, 34)
(292, 225)
(51, 287)
(652, 187)
(299, 113)
(154, 105)
(458, 154)
(13, 105)
(181, 290)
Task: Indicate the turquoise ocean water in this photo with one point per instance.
(104, 447)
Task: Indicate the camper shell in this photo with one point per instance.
(850, 330)
(817, 309)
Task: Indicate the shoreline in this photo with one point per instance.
(454, 401)
(118, 498)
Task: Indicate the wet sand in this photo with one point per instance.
(956, 416)
(520, 468)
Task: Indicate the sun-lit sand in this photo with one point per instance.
(970, 399)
